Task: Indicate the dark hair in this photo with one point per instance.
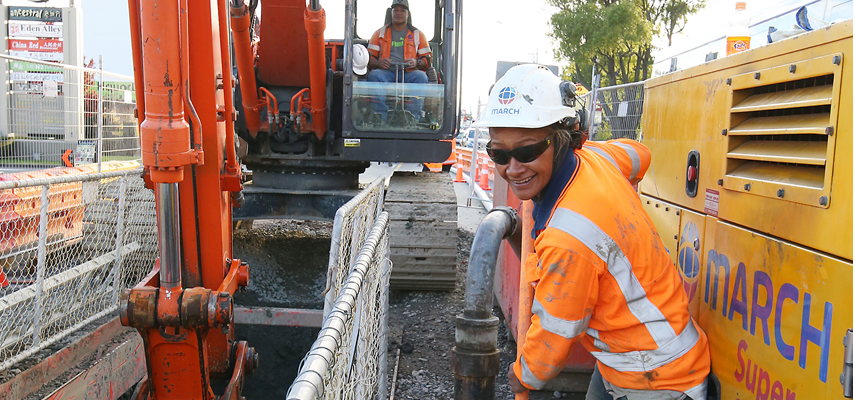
(565, 139)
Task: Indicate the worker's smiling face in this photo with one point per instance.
(525, 179)
(399, 14)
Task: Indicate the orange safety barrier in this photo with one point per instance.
(465, 156)
(20, 208)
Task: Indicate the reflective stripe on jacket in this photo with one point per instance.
(602, 276)
(416, 45)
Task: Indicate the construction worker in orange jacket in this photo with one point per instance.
(399, 53)
(600, 272)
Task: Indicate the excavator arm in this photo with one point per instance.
(183, 308)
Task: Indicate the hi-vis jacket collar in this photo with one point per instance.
(562, 175)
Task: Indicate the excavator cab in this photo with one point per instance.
(399, 105)
(310, 123)
(367, 120)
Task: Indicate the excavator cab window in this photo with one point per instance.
(395, 100)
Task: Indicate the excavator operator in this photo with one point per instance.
(600, 272)
(399, 53)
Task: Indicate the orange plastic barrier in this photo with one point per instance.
(465, 156)
(20, 209)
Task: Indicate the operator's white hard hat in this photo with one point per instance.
(360, 59)
(528, 96)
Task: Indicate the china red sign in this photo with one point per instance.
(47, 45)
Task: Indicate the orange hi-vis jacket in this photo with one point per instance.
(602, 276)
(415, 46)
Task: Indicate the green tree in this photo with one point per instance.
(615, 36)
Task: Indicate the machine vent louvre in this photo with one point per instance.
(780, 138)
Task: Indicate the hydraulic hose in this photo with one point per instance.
(244, 59)
(475, 356)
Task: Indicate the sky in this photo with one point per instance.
(493, 30)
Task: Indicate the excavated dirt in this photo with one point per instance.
(287, 266)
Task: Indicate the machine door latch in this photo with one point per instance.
(693, 165)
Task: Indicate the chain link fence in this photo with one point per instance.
(348, 360)
(69, 244)
(65, 115)
(351, 225)
(617, 111)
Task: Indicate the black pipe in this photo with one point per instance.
(475, 356)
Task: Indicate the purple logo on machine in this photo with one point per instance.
(688, 258)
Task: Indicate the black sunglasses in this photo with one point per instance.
(523, 154)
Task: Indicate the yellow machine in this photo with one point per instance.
(750, 187)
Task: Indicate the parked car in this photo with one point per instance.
(461, 137)
(483, 138)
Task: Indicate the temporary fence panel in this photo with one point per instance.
(69, 244)
(348, 360)
(617, 112)
(351, 225)
(65, 115)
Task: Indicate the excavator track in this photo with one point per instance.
(422, 208)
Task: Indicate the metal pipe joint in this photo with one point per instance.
(475, 356)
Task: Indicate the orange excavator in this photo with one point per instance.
(309, 131)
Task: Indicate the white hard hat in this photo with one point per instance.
(360, 59)
(528, 96)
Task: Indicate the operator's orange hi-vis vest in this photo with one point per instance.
(602, 275)
(415, 46)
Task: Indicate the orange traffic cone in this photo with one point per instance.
(482, 181)
(477, 168)
(459, 176)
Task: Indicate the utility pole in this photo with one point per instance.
(478, 114)
(595, 83)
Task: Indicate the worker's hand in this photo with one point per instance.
(516, 386)
(385, 63)
(411, 63)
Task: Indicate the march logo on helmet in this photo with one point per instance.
(507, 95)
